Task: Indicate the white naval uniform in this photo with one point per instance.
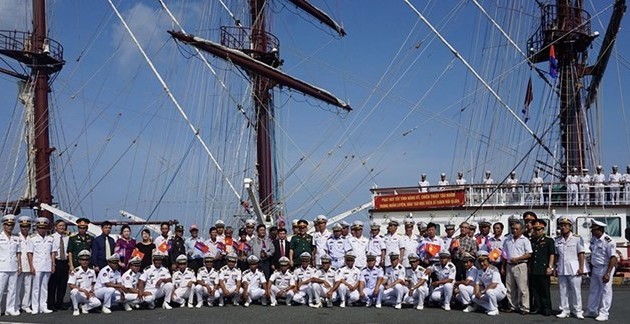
(85, 280)
(150, 276)
(102, 292)
(256, 282)
(370, 278)
(626, 187)
(585, 189)
(129, 280)
(359, 247)
(573, 192)
(336, 248)
(279, 281)
(10, 250)
(319, 290)
(424, 186)
(490, 299)
(614, 181)
(181, 290)
(598, 180)
(536, 188)
(393, 244)
(42, 250)
(442, 184)
(351, 276)
(24, 283)
(319, 240)
(211, 278)
(410, 244)
(510, 194)
(567, 265)
(376, 245)
(487, 190)
(301, 274)
(396, 293)
(230, 277)
(600, 293)
(466, 292)
(444, 292)
(418, 295)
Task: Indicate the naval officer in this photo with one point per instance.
(10, 263)
(569, 269)
(603, 262)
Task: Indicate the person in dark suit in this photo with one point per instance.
(281, 248)
(102, 247)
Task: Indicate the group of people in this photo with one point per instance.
(474, 271)
(581, 188)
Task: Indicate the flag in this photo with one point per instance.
(494, 255)
(201, 247)
(163, 247)
(553, 62)
(120, 251)
(137, 253)
(220, 246)
(432, 249)
(529, 97)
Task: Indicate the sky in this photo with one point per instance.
(122, 144)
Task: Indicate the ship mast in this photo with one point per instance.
(44, 57)
(257, 51)
(565, 27)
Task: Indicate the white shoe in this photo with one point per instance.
(420, 306)
(367, 304)
(45, 311)
(563, 315)
(579, 316)
(493, 313)
(342, 304)
(378, 305)
(127, 307)
(246, 304)
(234, 302)
(398, 306)
(11, 313)
(165, 305)
(318, 305)
(190, 305)
(601, 318)
(446, 307)
(27, 310)
(106, 310)
(76, 312)
(273, 304)
(469, 309)
(199, 304)
(221, 302)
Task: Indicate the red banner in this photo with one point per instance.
(420, 201)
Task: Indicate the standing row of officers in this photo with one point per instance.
(478, 270)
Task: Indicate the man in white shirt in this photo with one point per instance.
(41, 258)
(10, 263)
(347, 281)
(156, 280)
(254, 283)
(359, 244)
(393, 241)
(184, 280)
(320, 237)
(81, 283)
(108, 286)
(569, 269)
(517, 250)
(59, 279)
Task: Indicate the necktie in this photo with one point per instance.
(62, 249)
(281, 248)
(107, 248)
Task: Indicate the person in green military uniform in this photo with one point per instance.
(300, 243)
(78, 242)
(541, 266)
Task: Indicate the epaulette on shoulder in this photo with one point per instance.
(247, 271)
(576, 235)
(33, 235)
(77, 269)
(607, 238)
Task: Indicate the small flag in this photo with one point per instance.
(163, 247)
(553, 62)
(120, 251)
(529, 97)
(494, 255)
(432, 249)
(137, 253)
(243, 247)
(201, 247)
(220, 246)
(455, 244)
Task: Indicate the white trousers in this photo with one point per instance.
(302, 295)
(614, 195)
(626, 193)
(39, 296)
(182, 293)
(585, 194)
(80, 298)
(490, 300)
(443, 293)
(570, 294)
(319, 292)
(203, 293)
(8, 281)
(599, 194)
(572, 194)
(165, 290)
(600, 294)
(346, 295)
(274, 292)
(369, 295)
(418, 296)
(24, 287)
(255, 293)
(105, 295)
(465, 294)
(395, 294)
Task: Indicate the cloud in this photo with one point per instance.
(15, 15)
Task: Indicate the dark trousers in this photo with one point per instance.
(460, 270)
(265, 267)
(57, 284)
(539, 289)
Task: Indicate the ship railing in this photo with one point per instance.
(19, 41)
(526, 194)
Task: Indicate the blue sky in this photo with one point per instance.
(416, 108)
